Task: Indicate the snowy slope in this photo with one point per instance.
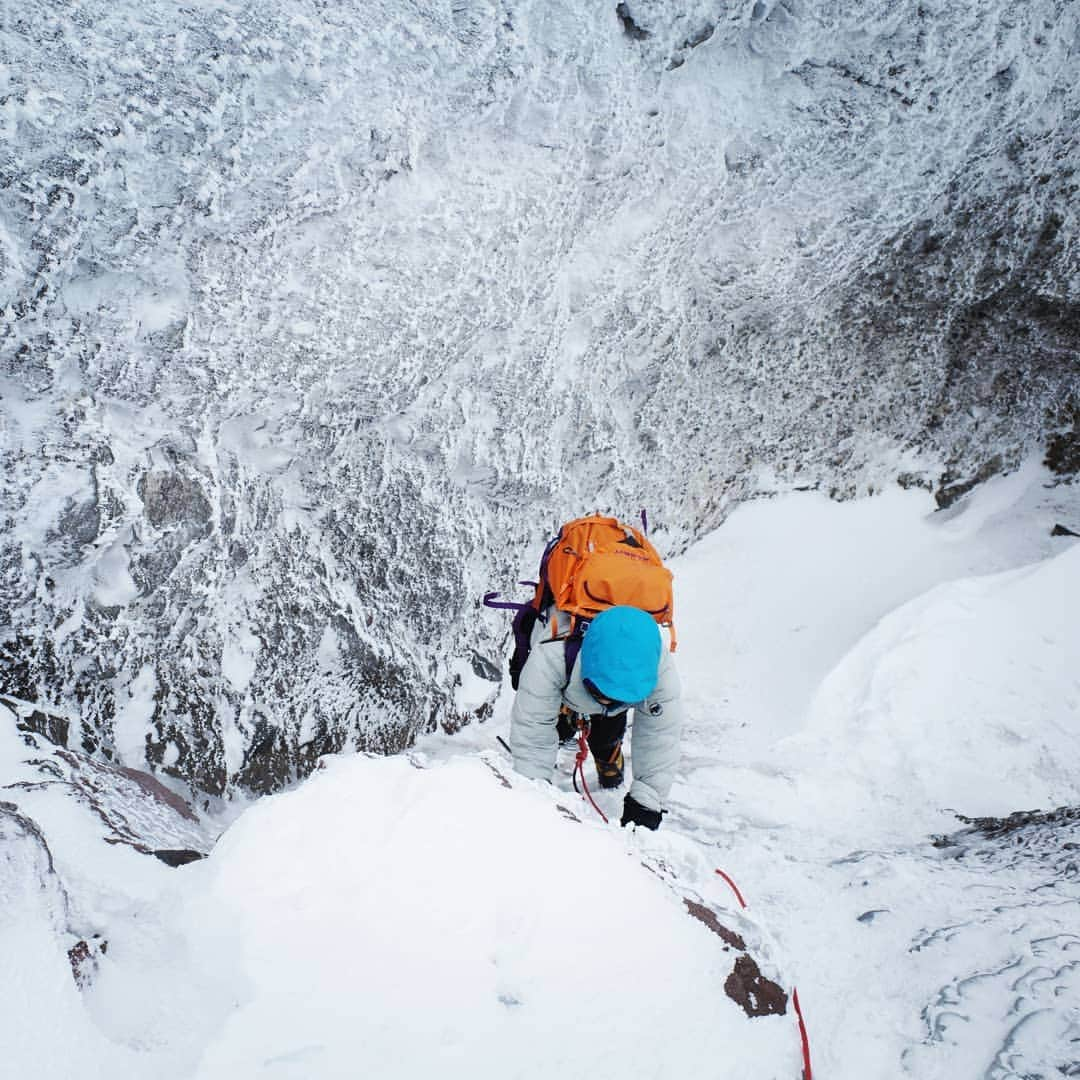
(860, 674)
(461, 926)
(316, 316)
(895, 709)
(396, 920)
(436, 913)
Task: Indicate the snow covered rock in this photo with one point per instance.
(169, 498)
(316, 320)
(76, 876)
(131, 806)
(30, 876)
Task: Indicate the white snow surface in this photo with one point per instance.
(856, 674)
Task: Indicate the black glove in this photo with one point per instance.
(633, 813)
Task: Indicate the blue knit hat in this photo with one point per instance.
(620, 654)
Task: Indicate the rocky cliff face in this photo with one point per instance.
(316, 320)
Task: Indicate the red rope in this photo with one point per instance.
(807, 1075)
(734, 887)
(579, 769)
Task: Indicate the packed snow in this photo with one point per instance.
(857, 674)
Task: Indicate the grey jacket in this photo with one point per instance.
(657, 728)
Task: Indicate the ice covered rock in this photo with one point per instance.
(316, 322)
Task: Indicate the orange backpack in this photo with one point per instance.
(593, 563)
(597, 562)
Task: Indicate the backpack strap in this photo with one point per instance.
(571, 643)
(572, 647)
(524, 621)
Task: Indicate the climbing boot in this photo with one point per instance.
(610, 772)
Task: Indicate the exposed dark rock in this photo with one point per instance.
(871, 916)
(83, 956)
(914, 480)
(92, 688)
(708, 917)
(177, 857)
(79, 523)
(151, 567)
(52, 727)
(1048, 840)
(452, 720)
(27, 667)
(755, 994)
(270, 762)
(953, 489)
(502, 779)
(170, 498)
(630, 27)
(157, 790)
(1063, 446)
(1061, 530)
(1022, 820)
(485, 668)
(184, 717)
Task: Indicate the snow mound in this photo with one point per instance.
(966, 699)
(399, 921)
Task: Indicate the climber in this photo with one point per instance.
(621, 665)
